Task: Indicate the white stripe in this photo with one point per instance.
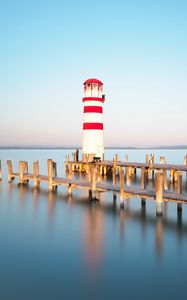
(93, 118)
(93, 103)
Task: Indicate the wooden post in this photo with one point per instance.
(21, 172)
(67, 165)
(105, 170)
(143, 182)
(126, 158)
(147, 158)
(98, 173)
(70, 169)
(114, 173)
(50, 174)
(185, 163)
(171, 175)
(165, 180)
(127, 176)
(116, 157)
(175, 176)
(150, 171)
(153, 157)
(179, 189)
(25, 167)
(143, 179)
(93, 181)
(69, 189)
(159, 193)
(121, 187)
(77, 155)
(54, 169)
(9, 165)
(101, 170)
(121, 181)
(36, 173)
(0, 171)
(89, 172)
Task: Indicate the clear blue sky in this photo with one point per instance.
(138, 48)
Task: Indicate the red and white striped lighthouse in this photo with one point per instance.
(93, 145)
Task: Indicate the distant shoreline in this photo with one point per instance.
(108, 148)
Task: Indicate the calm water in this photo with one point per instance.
(57, 247)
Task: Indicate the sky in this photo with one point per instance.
(137, 48)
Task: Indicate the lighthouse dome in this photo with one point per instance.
(93, 80)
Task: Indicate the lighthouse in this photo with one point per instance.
(93, 145)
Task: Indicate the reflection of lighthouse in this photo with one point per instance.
(93, 145)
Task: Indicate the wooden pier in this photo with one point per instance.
(94, 184)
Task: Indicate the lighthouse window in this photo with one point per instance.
(95, 86)
(88, 85)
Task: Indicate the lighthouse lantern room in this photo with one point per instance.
(93, 145)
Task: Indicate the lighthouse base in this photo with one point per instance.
(90, 157)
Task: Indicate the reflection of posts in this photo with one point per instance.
(159, 236)
(159, 193)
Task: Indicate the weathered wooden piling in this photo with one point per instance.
(67, 165)
(50, 174)
(179, 189)
(143, 183)
(127, 173)
(165, 180)
(9, 165)
(21, 172)
(150, 170)
(143, 179)
(171, 175)
(122, 179)
(70, 189)
(25, 167)
(159, 193)
(185, 163)
(114, 173)
(175, 176)
(98, 173)
(93, 181)
(36, 173)
(54, 169)
(147, 158)
(77, 154)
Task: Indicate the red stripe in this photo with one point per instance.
(93, 109)
(93, 99)
(97, 126)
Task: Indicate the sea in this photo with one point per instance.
(55, 246)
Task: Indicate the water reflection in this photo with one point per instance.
(159, 236)
(93, 220)
(95, 214)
